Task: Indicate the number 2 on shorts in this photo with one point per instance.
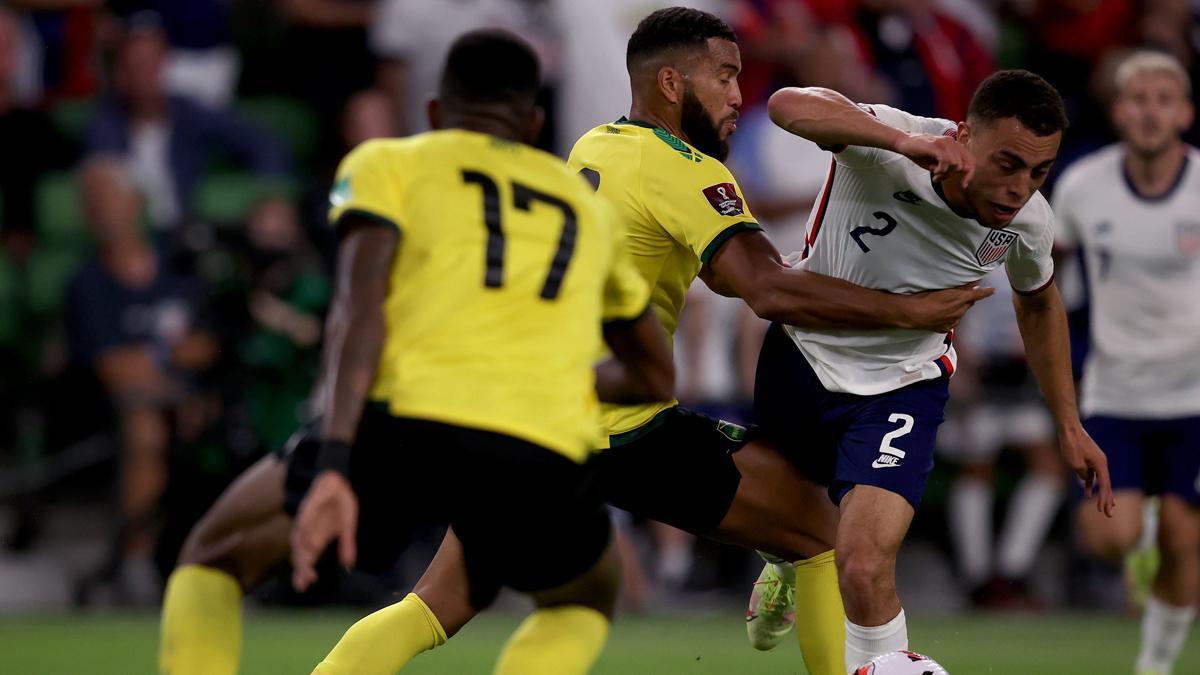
(906, 425)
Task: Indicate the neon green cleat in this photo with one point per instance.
(772, 610)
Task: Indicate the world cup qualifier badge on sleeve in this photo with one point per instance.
(725, 199)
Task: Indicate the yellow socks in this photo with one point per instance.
(385, 641)
(201, 630)
(820, 618)
(555, 641)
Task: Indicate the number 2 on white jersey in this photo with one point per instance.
(906, 425)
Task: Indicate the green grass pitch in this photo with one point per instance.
(693, 644)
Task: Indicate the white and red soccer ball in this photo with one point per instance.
(901, 663)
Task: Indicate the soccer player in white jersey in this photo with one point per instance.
(912, 204)
(1134, 210)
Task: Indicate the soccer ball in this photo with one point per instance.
(901, 663)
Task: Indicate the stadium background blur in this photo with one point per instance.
(165, 262)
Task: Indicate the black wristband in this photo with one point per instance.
(334, 455)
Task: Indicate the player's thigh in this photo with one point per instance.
(777, 509)
(680, 470)
(245, 533)
(1111, 538)
(1178, 529)
(445, 588)
(528, 518)
(596, 587)
(873, 524)
(1182, 458)
(789, 403)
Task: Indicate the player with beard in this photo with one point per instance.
(660, 167)
(1131, 209)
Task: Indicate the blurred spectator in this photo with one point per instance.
(31, 146)
(323, 57)
(167, 140)
(997, 407)
(370, 113)
(805, 43)
(411, 37)
(932, 61)
(202, 63)
(66, 34)
(289, 292)
(139, 327)
(593, 85)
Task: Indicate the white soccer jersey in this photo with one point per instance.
(880, 223)
(1143, 272)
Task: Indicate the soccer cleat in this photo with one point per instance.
(772, 610)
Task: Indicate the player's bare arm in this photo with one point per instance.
(641, 369)
(829, 119)
(748, 266)
(1043, 322)
(355, 331)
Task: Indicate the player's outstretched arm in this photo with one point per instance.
(831, 120)
(748, 266)
(1043, 323)
(641, 369)
(354, 340)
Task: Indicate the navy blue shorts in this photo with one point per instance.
(1154, 456)
(842, 440)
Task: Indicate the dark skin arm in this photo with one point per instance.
(355, 333)
(748, 266)
(641, 369)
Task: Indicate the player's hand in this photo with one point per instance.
(940, 311)
(329, 511)
(1088, 462)
(939, 155)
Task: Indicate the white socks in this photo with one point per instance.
(1030, 515)
(1164, 630)
(970, 515)
(864, 643)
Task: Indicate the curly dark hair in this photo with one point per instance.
(1023, 95)
(673, 28)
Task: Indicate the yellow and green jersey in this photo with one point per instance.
(506, 267)
(677, 206)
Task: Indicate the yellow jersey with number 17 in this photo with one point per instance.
(677, 205)
(507, 264)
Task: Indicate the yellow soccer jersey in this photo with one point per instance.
(677, 205)
(507, 265)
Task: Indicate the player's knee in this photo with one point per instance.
(1111, 542)
(864, 571)
(203, 547)
(1179, 544)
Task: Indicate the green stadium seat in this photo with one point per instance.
(287, 118)
(59, 212)
(227, 197)
(71, 117)
(49, 269)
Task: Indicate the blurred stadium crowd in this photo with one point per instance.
(165, 261)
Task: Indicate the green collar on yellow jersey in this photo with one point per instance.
(676, 143)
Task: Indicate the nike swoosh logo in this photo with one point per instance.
(877, 465)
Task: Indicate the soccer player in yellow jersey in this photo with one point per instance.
(661, 169)
(476, 279)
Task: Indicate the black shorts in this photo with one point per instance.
(528, 518)
(677, 469)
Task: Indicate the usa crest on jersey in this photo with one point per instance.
(1188, 237)
(994, 247)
